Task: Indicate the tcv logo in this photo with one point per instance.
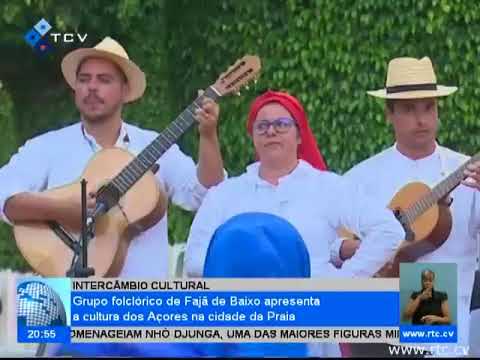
(38, 36)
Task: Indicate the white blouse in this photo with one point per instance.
(316, 203)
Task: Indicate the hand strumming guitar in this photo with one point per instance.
(69, 210)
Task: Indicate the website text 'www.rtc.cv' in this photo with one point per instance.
(437, 349)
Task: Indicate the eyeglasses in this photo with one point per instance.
(281, 125)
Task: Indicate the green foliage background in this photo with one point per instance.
(327, 53)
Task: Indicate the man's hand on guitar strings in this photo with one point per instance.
(446, 200)
(91, 203)
(473, 173)
(207, 117)
(69, 210)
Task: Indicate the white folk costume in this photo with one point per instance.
(384, 174)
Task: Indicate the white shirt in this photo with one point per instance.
(59, 157)
(387, 172)
(315, 202)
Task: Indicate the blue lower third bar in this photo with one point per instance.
(170, 308)
(428, 333)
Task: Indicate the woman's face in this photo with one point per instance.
(427, 280)
(275, 134)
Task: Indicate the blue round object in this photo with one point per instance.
(256, 244)
(39, 305)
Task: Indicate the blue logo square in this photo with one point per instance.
(42, 27)
(43, 47)
(32, 37)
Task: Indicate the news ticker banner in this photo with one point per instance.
(64, 310)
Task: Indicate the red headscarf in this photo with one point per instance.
(308, 149)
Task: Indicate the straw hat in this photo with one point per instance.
(410, 78)
(111, 50)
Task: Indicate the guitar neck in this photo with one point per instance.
(440, 190)
(169, 136)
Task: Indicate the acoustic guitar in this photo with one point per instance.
(425, 216)
(128, 178)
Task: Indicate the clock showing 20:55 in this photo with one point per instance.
(46, 334)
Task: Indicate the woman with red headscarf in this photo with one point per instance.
(291, 111)
(289, 180)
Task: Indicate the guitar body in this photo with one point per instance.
(407, 196)
(141, 207)
(429, 230)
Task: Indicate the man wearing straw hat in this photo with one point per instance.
(411, 107)
(103, 79)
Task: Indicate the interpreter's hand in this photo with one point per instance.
(207, 117)
(426, 294)
(430, 319)
(473, 173)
